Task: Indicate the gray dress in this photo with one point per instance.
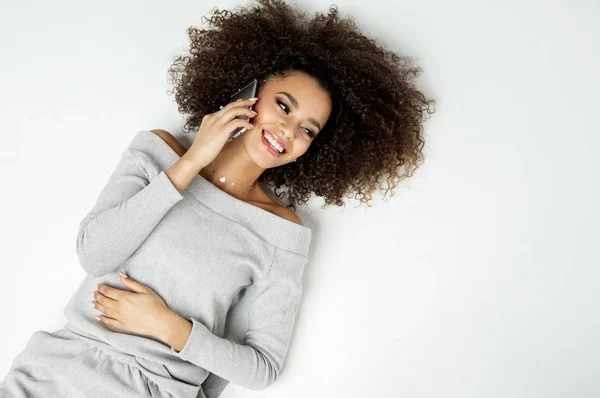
(60, 364)
(198, 251)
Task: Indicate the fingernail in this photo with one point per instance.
(252, 111)
(123, 275)
(98, 318)
(253, 99)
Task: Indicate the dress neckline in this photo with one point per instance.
(275, 229)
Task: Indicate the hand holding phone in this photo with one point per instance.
(248, 91)
(215, 130)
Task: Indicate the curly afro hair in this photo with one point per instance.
(374, 130)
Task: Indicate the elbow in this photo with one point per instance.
(83, 255)
(261, 384)
(90, 269)
(88, 266)
(89, 263)
(270, 377)
(268, 371)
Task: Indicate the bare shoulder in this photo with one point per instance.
(171, 140)
(266, 202)
(263, 200)
(288, 214)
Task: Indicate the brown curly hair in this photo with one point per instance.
(375, 124)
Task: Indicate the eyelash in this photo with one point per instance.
(309, 132)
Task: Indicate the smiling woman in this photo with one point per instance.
(193, 228)
(263, 200)
(214, 246)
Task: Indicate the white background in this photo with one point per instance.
(478, 278)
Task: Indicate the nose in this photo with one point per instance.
(286, 132)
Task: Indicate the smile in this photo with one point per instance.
(270, 147)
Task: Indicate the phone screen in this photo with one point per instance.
(248, 91)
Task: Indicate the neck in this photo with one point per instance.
(234, 163)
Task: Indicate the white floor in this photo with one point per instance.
(477, 279)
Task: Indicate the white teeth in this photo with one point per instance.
(273, 142)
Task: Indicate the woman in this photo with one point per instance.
(177, 234)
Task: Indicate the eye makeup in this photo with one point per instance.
(309, 132)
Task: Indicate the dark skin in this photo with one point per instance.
(245, 158)
(295, 121)
(262, 199)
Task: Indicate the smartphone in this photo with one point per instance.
(248, 91)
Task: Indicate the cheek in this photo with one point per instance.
(262, 113)
(300, 149)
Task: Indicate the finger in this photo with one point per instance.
(233, 114)
(237, 110)
(109, 321)
(232, 125)
(105, 310)
(133, 284)
(102, 299)
(237, 105)
(113, 293)
(242, 102)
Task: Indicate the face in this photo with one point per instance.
(294, 109)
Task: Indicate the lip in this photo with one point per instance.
(268, 146)
(278, 141)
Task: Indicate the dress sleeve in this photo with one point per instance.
(213, 386)
(257, 363)
(137, 196)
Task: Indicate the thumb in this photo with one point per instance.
(132, 284)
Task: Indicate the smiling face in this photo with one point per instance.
(294, 109)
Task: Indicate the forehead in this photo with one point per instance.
(302, 85)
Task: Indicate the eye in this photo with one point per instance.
(287, 111)
(286, 107)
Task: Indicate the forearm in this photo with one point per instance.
(243, 364)
(121, 220)
(256, 362)
(182, 172)
(175, 330)
(214, 385)
(129, 208)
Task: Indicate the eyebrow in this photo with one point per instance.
(295, 104)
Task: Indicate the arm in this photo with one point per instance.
(213, 386)
(235, 326)
(136, 197)
(258, 362)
